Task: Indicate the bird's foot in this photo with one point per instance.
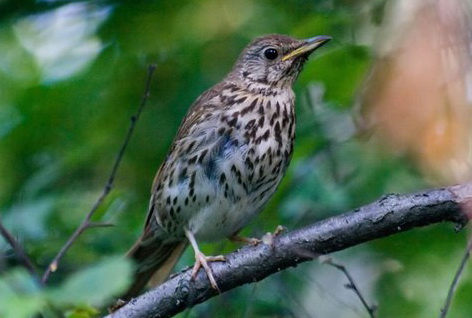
(201, 260)
(117, 305)
(246, 240)
(268, 238)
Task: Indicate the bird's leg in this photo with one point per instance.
(201, 260)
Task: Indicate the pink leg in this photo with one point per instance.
(201, 260)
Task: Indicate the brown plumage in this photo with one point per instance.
(230, 154)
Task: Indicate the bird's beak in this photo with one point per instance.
(308, 46)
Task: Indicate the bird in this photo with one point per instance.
(230, 153)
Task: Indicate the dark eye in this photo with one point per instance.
(271, 54)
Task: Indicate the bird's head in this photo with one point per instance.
(275, 60)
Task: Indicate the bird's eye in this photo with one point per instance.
(271, 54)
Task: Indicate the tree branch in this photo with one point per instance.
(391, 214)
(20, 252)
(86, 223)
(455, 281)
(371, 309)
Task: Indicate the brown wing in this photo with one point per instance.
(191, 118)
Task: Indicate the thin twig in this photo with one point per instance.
(100, 224)
(455, 281)
(352, 286)
(19, 251)
(109, 184)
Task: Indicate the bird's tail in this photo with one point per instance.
(155, 256)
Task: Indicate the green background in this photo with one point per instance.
(72, 74)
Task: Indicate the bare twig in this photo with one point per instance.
(455, 281)
(352, 285)
(100, 224)
(19, 251)
(86, 223)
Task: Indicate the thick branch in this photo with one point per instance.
(391, 214)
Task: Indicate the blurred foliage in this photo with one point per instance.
(71, 75)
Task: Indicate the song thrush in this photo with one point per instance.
(230, 154)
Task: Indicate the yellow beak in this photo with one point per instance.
(309, 46)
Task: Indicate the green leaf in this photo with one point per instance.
(86, 312)
(95, 285)
(19, 295)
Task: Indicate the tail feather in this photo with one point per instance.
(155, 257)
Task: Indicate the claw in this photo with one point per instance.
(246, 240)
(201, 260)
(268, 238)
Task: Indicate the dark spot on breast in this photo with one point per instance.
(278, 134)
(249, 108)
(261, 110)
(192, 160)
(290, 128)
(250, 124)
(233, 121)
(261, 121)
(190, 147)
(264, 137)
(182, 175)
(192, 181)
(202, 156)
(222, 178)
(241, 100)
(249, 163)
(263, 193)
